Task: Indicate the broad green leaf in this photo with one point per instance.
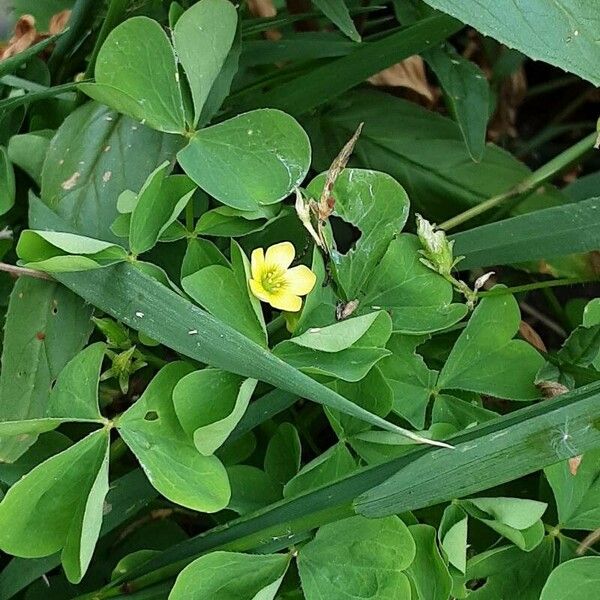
(337, 12)
(168, 318)
(7, 182)
(218, 290)
(209, 403)
(28, 151)
(200, 254)
(591, 318)
(231, 576)
(372, 392)
(418, 300)
(75, 393)
(560, 32)
(340, 336)
(424, 151)
(251, 489)
(458, 412)
(202, 38)
(377, 206)
(136, 74)
(307, 91)
(358, 558)
(428, 572)
(57, 251)
(577, 495)
(542, 234)
(452, 534)
(411, 381)
(514, 518)
(225, 221)
(255, 158)
(62, 501)
(578, 578)
(329, 466)
(94, 156)
(486, 359)
(159, 203)
(511, 573)
(46, 325)
(169, 458)
(282, 457)
(466, 93)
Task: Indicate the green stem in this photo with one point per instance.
(530, 183)
(538, 285)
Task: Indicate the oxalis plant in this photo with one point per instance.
(240, 360)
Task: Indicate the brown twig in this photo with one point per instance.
(23, 271)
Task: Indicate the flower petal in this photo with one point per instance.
(300, 280)
(285, 301)
(281, 255)
(257, 289)
(257, 263)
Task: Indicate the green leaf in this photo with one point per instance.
(486, 359)
(136, 74)
(411, 381)
(202, 38)
(382, 548)
(559, 32)
(282, 457)
(466, 93)
(458, 412)
(578, 578)
(377, 206)
(255, 158)
(337, 12)
(28, 151)
(231, 575)
(62, 501)
(173, 465)
(514, 518)
(428, 572)
(453, 536)
(57, 251)
(418, 299)
(7, 182)
(218, 289)
(168, 318)
(209, 423)
(307, 91)
(251, 489)
(225, 221)
(511, 573)
(75, 393)
(94, 156)
(200, 254)
(46, 325)
(159, 203)
(577, 495)
(543, 234)
(329, 466)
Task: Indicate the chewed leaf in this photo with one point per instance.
(255, 158)
(203, 37)
(209, 423)
(136, 74)
(167, 455)
(374, 203)
(59, 252)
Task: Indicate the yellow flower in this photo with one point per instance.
(274, 282)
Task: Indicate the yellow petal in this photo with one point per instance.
(257, 289)
(285, 301)
(257, 263)
(281, 254)
(300, 280)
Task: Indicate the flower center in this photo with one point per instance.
(273, 280)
